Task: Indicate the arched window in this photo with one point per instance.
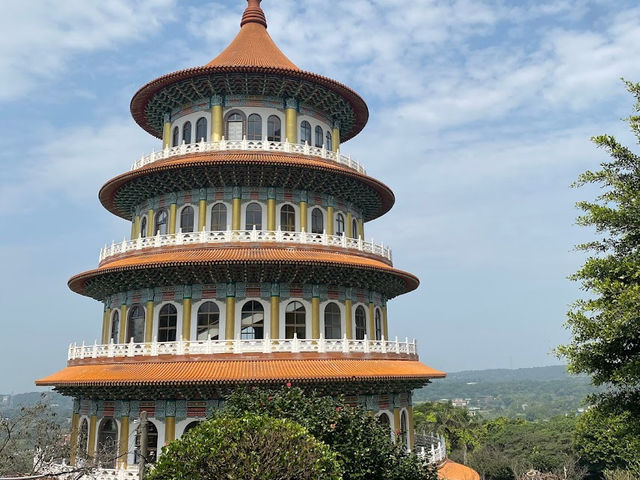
(219, 217)
(152, 444)
(384, 420)
(115, 327)
(186, 132)
(107, 451)
(167, 323)
(319, 136)
(201, 130)
(208, 322)
(354, 228)
(378, 324)
(329, 141)
(305, 132)
(234, 126)
(287, 218)
(295, 320)
(186, 219)
(253, 216)
(273, 129)
(162, 218)
(361, 323)
(332, 321)
(404, 431)
(339, 224)
(317, 221)
(175, 138)
(143, 227)
(254, 127)
(83, 436)
(252, 321)
(190, 426)
(135, 325)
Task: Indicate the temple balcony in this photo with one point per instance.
(431, 448)
(250, 145)
(246, 236)
(242, 346)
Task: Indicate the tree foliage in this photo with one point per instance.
(252, 447)
(363, 446)
(605, 325)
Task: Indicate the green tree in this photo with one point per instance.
(605, 325)
(363, 446)
(251, 447)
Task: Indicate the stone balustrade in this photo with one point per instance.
(431, 448)
(250, 145)
(240, 346)
(243, 236)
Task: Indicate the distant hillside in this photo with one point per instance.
(530, 393)
(11, 404)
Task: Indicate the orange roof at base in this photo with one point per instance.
(455, 471)
(231, 371)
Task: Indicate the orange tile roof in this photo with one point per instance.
(454, 471)
(232, 371)
(220, 158)
(198, 255)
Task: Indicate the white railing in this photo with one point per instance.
(239, 346)
(254, 145)
(225, 236)
(431, 448)
(63, 471)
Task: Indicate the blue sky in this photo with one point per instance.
(481, 113)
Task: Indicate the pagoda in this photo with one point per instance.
(247, 263)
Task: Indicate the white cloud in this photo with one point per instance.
(38, 42)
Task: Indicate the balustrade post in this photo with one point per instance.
(322, 345)
(208, 345)
(203, 235)
(131, 348)
(265, 143)
(345, 344)
(154, 347)
(266, 347)
(325, 238)
(179, 237)
(359, 243)
(303, 236)
(236, 346)
(254, 234)
(82, 352)
(397, 346)
(367, 348)
(306, 148)
(243, 143)
(110, 349)
(181, 346)
(94, 350)
(223, 144)
(295, 344)
(383, 342)
(70, 352)
(344, 240)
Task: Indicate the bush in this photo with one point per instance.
(251, 447)
(363, 446)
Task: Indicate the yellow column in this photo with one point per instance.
(371, 334)
(135, 230)
(385, 326)
(315, 317)
(75, 418)
(123, 323)
(275, 316)
(123, 450)
(396, 422)
(335, 137)
(235, 214)
(329, 220)
(410, 426)
(172, 218)
(217, 125)
(93, 420)
(148, 326)
(202, 214)
(186, 319)
(271, 214)
(169, 429)
(291, 120)
(303, 216)
(349, 226)
(347, 318)
(230, 317)
(105, 325)
(166, 132)
(150, 223)
(361, 228)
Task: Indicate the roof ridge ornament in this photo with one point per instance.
(253, 14)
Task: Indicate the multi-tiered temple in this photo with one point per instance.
(247, 262)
